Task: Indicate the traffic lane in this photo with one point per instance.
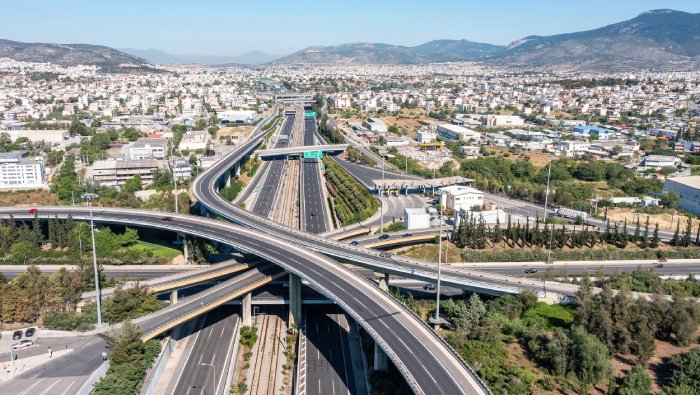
(313, 196)
(268, 192)
(205, 366)
(112, 272)
(329, 367)
(61, 375)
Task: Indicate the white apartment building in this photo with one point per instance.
(456, 132)
(503, 121)
(148, 148)
(458, 197)
(238, 117)
(21, 173)
(425, 136)
(659, 161)
(573, 147)
(181, 169)
(376, 125)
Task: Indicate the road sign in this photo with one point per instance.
(310, 114)
(313, 154)
(323, 165)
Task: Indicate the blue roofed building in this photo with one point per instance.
(589, 130)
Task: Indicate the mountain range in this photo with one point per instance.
(654, 40)
(161, 57)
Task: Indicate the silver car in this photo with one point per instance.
(22, 344)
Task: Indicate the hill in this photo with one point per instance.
(379, 53)
(158, 56)
(658, 39)
(67, 55)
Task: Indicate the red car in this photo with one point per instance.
(32, 211)
(168, 219)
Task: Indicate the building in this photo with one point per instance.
(571, 122)
(245, 117)
(416, 218)
(194, 140)
(658, 162)
(489, 216)
(395, 141)
(148, 148)
(503, 121)
(181, 169)
(457, 197)
(689, 190)
(21, 173)
(425, 136)
(573, 147)
(587, 130)
(456, 132)
(115, 173)
(376, 125)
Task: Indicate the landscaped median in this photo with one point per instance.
(352, 202)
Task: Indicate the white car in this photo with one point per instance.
(22, 344)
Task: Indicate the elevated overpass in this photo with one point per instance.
(168, 318)
(300, 150)
(425, 360)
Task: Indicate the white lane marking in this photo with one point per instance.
(319, 386)
(28, 390)
(65, 391)
(426, 371)
(47, 389)
(179, 376)
(222, 331)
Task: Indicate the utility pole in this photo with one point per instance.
(89, 197)
(381, 196)
(546, 194)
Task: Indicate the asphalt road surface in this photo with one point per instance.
(63, 374)
(267, 194)
(329, 367)
(204, 370)
(365, 174)
(314, 205)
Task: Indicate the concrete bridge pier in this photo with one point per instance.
(381, 361)
(383, 281)
(246, 309)
(294, 299)
(173, 297)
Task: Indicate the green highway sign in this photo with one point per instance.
(310, 114)
(313, 154)
(323, 165)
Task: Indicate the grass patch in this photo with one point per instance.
(161, 249)
(551, 316)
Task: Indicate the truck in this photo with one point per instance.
(569, 213)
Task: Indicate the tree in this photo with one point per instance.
(671, 199)
(132, 134)
(636, 381)
(588, 358)
(687, 235)
(655, 237)
(684, 372)
(133, 184)
(676, 240)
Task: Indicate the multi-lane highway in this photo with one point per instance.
(206, 358)
(313, 206)
(423, 357)
(267, 194)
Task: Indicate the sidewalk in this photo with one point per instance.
(27, 363)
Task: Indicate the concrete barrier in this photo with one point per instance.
(99, 373)
(156, 371)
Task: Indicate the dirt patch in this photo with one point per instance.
(27, 198)
(234, 132)
(666, 221)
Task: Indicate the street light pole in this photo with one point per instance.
(437, 302)
(89, 197)
(381, 196)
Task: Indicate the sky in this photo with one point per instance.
(232, 27)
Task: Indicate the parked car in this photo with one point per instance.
(32, 211)
(29, 332)
(354, 243)
(407, 235)
(384, 237)
(531, 270)
(16, 335)
(167, 218)
(385, 255)
(429, 287)
(22, 344)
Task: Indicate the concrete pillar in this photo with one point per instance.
(237, 169)
(185, 249)
(246, 309)
(173, 297)
(294, 299)
(381, 362)
(202, 210)
(383, 281)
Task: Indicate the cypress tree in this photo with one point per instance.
(655, 237)
(509, 229)
(688, 232)
(496, 234)
(676, 240)
(697, 237)
(637, 231)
